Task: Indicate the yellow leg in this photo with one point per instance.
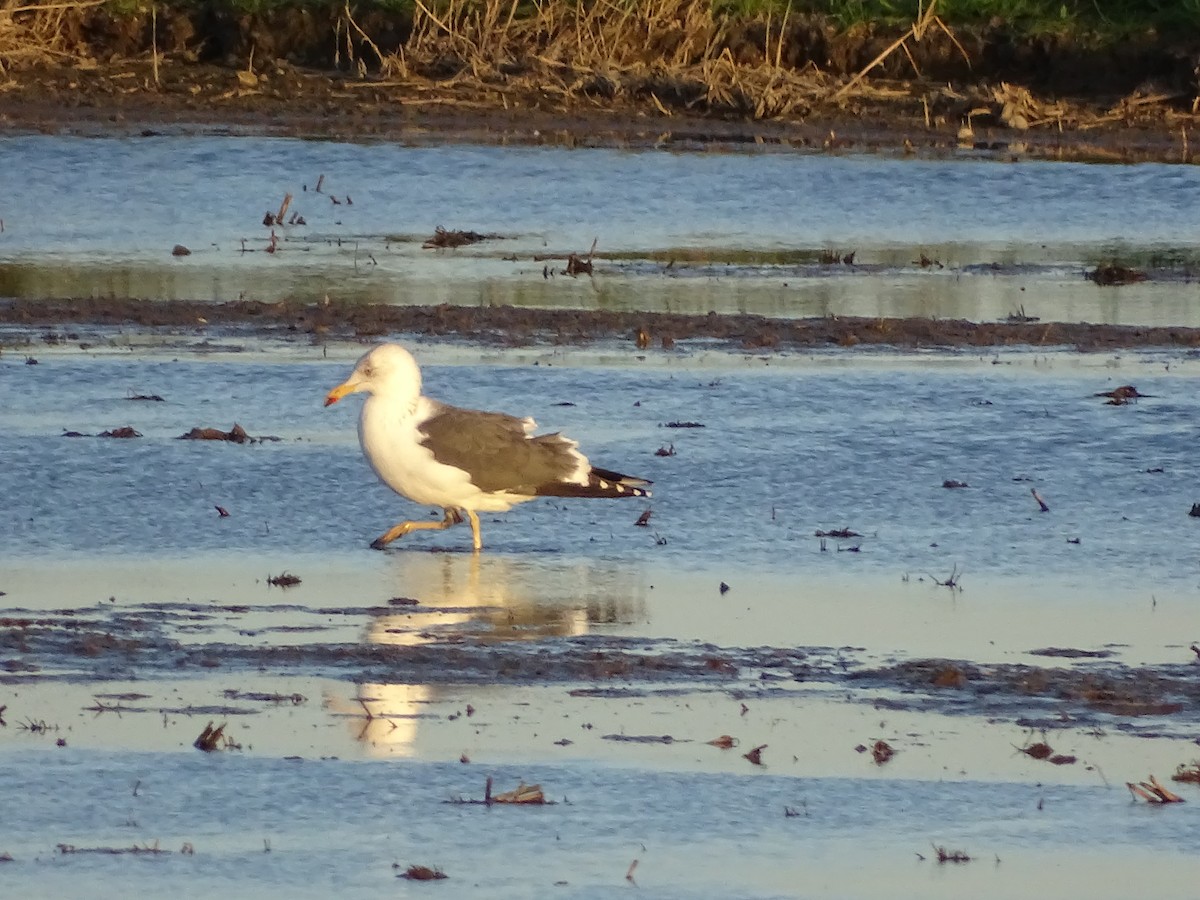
(475, 529)
(452, 517)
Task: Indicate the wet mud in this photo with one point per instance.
(29, 323)
(155, 641)
(205, 100)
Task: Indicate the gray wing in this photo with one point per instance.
(494, 449)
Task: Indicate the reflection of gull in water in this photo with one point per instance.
(463, 460)
(498, 599)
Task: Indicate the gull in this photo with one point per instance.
(464, 460)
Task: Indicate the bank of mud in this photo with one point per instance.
(151, 641)
(28, 324)
(693, 79)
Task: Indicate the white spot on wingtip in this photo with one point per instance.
(603, 485)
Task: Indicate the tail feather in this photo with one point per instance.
(601, 483)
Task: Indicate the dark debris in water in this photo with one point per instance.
(448, 239)
(1114, 274)
(641, 738)
(1122, 395)
(293, 699)
(1152, 791)
(421, 873)
(124, 431)
(235, 435)
(1072, 653)
(1121, 691)
(134, 850)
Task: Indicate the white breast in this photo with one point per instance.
(391, 442)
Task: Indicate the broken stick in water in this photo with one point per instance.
(283, 208)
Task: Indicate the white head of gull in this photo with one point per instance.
(464, 460)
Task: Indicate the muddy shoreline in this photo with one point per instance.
(153, 641)
(120, 98)
(683, 77)
(87, 322)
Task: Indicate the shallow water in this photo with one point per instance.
(115, 540)
(686, 232)
(780, 456)
(688, 833)
(125, 533)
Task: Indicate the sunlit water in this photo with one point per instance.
(790, 445)
(688, 232)
(313, 828)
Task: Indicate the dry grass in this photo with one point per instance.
(669, 54)
(32, 34)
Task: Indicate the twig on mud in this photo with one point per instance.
(950, 856)
(36, 726)
(1042, 751)
(581, 266)
(1189, 773)
(98, 707)
(881, 752)
(210, 738)
(951, 579)
(755, 755)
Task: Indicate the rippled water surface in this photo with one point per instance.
(343, 768)
(680, 231)
(784, 447)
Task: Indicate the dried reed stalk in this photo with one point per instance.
(667, 53)
(927, 20)
(32, 34)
